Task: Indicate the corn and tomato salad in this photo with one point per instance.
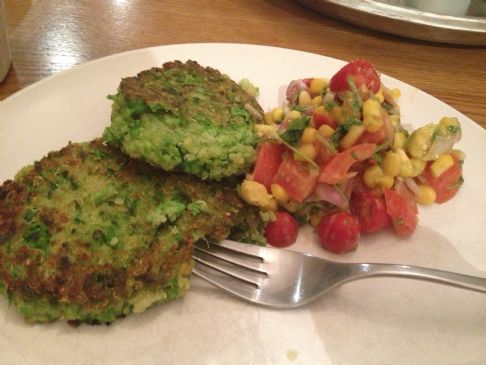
(336, 156)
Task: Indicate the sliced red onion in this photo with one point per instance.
(390, 130)
(388, 96)
(308, 110)
(294, 89)
(349, 186)
(328, 98)
(330, 194)
(421, 179)
(412, 185)
(442, 144)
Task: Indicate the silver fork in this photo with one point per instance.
(280, 278)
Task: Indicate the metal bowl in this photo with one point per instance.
(419, 22)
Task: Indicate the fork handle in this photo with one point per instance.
(361, 271)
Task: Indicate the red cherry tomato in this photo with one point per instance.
(282, 232)
(362, 72)
(338, 232)
(308, 81)
(370, 210)
(446, 184)
(268, 160)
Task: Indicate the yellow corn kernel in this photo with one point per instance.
(304, 98)
(294, 114)
(337, 114)
(305, 152)
(447, 122)
(386, 181)
(264, 130)
(379, 96)
(277, 115)
(395, 93)
(372, 124)
(279, 193)
(420, 140)
(326, 131)
(255, 193)
(391, 164)
(372, 176)
(271, 205)
(394, 119)
(354, 132)
(316, 101)
(399, 140)
(317, 85)
(309, 135)
(372, 115)
(418, 166)
(316, 218)
(406, 167)
(426, 195)
(268, 118)
(371, 107)
(441, 165)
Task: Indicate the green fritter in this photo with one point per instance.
(89, 235)
(187, 118)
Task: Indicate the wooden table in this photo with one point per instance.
(48, 36)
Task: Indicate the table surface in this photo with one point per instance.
(50, 36)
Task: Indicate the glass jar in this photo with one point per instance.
(4, 48)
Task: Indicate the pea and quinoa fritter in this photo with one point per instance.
(89, 235)
(185, 117)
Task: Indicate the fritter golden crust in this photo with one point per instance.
(89, 235)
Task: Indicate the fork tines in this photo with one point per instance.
(229, 264)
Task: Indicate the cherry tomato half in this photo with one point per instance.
(362, 72)
(338, 232)
(283, 231)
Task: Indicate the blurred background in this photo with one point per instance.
(50, 36)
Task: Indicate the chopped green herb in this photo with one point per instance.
(37, 236)
(293, 133)
(198, 207)
(342, 129)
(29, 215)
(356, 103)
(377, 157)
(330, 105)
(98, 154)
(453, 129)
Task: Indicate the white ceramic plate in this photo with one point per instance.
(374, 321)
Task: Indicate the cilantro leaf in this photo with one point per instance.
(293, 133)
